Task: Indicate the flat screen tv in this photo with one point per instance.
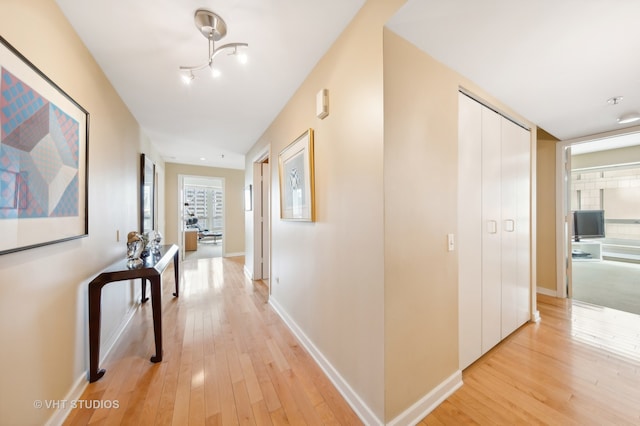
(588, 224)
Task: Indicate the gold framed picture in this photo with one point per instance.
(296, 179)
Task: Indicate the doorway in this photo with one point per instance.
(598, 230)
(262, 218)
(202, 224)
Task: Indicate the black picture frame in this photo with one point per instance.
(44, 158)
(147, 194)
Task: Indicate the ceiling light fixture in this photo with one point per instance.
(213, 28)
(628, 118)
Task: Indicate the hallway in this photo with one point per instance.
(228, 359)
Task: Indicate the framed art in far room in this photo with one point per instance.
(44, 136)
(295, 163)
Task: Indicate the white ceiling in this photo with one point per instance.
(140, 44)
(555, 62)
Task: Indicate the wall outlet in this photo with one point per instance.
(451, 245)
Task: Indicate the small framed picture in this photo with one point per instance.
(296, 179)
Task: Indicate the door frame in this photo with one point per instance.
(180, 206)
(260, 205)
(563, 197)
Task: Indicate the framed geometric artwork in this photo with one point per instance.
(296, 179)
(44, 137)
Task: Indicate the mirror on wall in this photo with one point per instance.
(147, 194)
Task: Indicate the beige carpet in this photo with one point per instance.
(608, 283)
(206, 249)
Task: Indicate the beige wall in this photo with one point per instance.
(421, 293)
(371, 283)
(233, 241)
(420, 169)
(546, 195)
(43, 291)
(328, 276)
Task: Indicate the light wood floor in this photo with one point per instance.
(579, 366)
(229, 359)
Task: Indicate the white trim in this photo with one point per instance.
(247, 272)
(233, 254)
(60, 415)
(180, 223)
(111, 343)
(546, 292)
(535, 317)
(419, 410)
(353, 399)
(561, 193)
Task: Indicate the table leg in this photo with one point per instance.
(176, 272)
(156, 306)
(143, 284)
(95, 296)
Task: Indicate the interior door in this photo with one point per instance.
(265, 228)
(470, 230)
(493, 229)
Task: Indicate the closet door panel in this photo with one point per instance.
(491, 229)
(510, 176)
(469, 230)
(522, 138)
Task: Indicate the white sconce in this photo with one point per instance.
(322, 104)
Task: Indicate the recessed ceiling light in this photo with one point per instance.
(202, 158)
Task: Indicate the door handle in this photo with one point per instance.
(509, 225)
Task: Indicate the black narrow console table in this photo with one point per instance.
(150, 270)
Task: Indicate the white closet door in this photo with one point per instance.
(469, 230)
(491, 229)
(522, 138)
(510, 177)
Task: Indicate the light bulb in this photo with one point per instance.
(187, 78)
(215, 73)
(243, 58)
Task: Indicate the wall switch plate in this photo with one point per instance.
(451, 246)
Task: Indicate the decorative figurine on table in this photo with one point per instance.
(134, 248)
(146, 242)
(157, 239)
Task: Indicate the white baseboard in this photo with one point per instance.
(60, 415)
(111, 343)
(81, 383)
(536, 316)
(353, 399)
(234, 254)
(419, 410)
(546, 291)
(247, 272)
